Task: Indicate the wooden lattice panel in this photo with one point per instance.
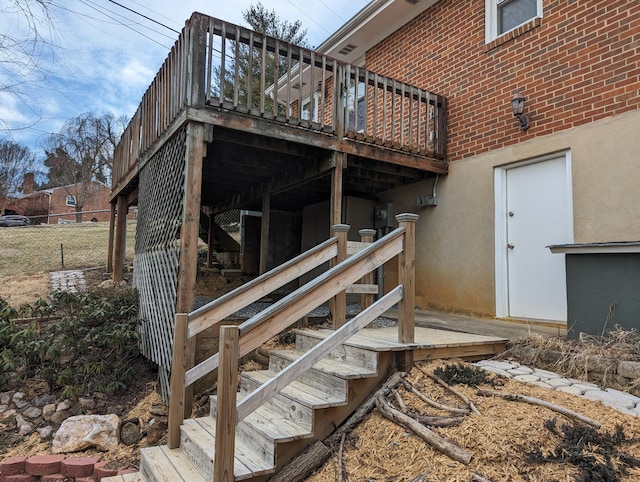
(161, 193)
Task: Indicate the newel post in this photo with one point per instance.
(406, 278)
(366, 300)
(339, 308)
(179, 364)
(226, 412)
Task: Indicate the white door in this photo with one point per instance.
(537, 213)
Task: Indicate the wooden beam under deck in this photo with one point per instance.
(263, 127)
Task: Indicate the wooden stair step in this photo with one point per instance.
(299, 391)
(340, 368)
(199, 446)
(244, 453)
(284, 406)
(269, 423)
(160, 464)
(362, 357)
(367, 339)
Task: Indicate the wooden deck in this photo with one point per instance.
(429, 344)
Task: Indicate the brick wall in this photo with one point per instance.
(97, 198)
(577, 64)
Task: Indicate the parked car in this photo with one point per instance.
(14, 220)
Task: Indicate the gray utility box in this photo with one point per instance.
(603, 286)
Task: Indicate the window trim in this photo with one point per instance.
(491, 19)
(69, 196)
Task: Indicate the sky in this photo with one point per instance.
(99, 56)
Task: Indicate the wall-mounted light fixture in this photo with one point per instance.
(517, 105)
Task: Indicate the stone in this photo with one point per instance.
(557, 382)
(497, 371)
(585, 387)
(521, 370)
(64, 405)
(527, 378)
(9, 414)
(45, 432)
(12, 465)
(544, 374)
(550, 356)
(610, 399)
(43, 464)
(59, 417)
(100, 470)
(47, 411)
(572, 389)
(4, 408)
(19, 400)
(159, 409)
(542, 384)
(625, 395)
(5, 398)
(32, 412)
(84, 431)
(156, 431)
(596, 364)
(19, 478)
(87, 403)
(78, 466)
(629, 369)
(130, 433)
(24, 428)
(501, 365)
(44, 400)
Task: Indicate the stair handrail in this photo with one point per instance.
(228, 413)
(287, 375)
(292, 307)
(188, 325)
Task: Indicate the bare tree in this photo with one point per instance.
(16, 160)
(26, 51)
(82, 152)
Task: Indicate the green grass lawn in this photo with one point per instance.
(35, 249)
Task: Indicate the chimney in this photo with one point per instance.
(28, 183)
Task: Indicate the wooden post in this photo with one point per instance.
(189, 231)
(112, 229)
(264, 232)
(121, 239)
(178, 369)
(339, 306)
(226, 413)
(338, 162)
(406, 277)
(366, 300)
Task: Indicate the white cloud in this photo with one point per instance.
(105, 56)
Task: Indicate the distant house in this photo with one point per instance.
(57, 205)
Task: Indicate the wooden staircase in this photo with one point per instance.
(306, 410)
(307, 391)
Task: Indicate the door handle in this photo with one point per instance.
(510, 245)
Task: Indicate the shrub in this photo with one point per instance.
(78, 343)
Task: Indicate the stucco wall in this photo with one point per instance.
(455, 241)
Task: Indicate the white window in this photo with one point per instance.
(71, 201)
(501, 16)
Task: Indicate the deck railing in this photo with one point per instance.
(219, 64)
(237, 341)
